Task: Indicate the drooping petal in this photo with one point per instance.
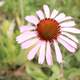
(66, 45)
(71, 30)
(46, 11)
(60, 17)
(29, 43)
(70, 36)
(25, 36)
(66, 18)
(40, 14)
(32, 19)
(54, 13)
(33, 52)
(42, 52)
(69, 41)
(68, 24)
(58, 52)
(48, 54)
(26, 28)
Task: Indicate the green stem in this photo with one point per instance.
(21, 3)
(61, 72)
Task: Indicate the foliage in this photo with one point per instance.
(13, 62)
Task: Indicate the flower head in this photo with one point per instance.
(48, 29)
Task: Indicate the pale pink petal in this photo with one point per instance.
(66, 18)
(27, 28)
(66, 45)
(33, 52)
(48, 54)
(32, 19)
(46, 11)
(25, 36)
(71, 30)
(68, 24)
(60, 17)
(58, 52)
(40, 14)
(42, 52)
(54, 13)
(69, 41)
(70, 36)
(29, 43)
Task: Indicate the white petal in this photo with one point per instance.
(33, 52)
(40, 14)
(58, 52)
(66, 45)
(60, 17)
(29, 43)
(46, 11)
(2, 2)
(66, 18)
(54, 13)
(72, 43)
(48, 54)
(25, 36)
(26, 28)
(68, 24)
(42, 52)
(70, 36)
(32, 19)
(72, 30)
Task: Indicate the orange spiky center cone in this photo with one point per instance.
(48, 29)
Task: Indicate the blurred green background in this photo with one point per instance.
(13, 62)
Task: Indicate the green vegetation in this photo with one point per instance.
(13, 62)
